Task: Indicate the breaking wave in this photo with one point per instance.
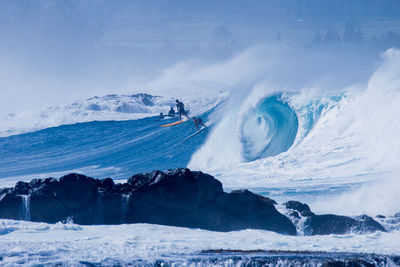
(268, 129)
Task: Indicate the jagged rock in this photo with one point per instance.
(330, 223)
(368, 224)
(177, 197)
(248, 210)
(73, 196)
(194, 199)
(22, 188)
(107, 184)
(35, 182)
(11, 204)
(302, 208)
(334, 224)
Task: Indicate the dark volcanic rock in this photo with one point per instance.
(11, 204)
(177, 197)
(334, 224)
(73, 196)
(22, 188)
(244, 209)
(302, 208)
(329, 223)
(367, 224)
(107, 184)
(194, 199)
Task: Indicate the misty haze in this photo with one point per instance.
(201, 133)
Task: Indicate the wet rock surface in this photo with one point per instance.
(176, 197)
(325, 224)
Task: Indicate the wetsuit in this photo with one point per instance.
(198, 122)
(171, 112)
(181, 110)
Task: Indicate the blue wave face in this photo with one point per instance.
(268, 129)
(113, 148)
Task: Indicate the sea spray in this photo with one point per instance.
(347, 144)
(124, 206)
(26, 208)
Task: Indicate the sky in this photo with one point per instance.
(55, 52)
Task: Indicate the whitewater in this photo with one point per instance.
(312, 144)
(335, 150)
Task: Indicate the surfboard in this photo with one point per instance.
(198, 131)
(172, 124)
(194, 134)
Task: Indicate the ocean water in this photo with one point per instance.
(337, 151)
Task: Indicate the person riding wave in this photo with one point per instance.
(198, 122)
(171, 112)
(181, 109)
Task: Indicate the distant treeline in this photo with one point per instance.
(280, 9)
(353, 33)
(334, 9)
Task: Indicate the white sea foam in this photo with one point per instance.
(353, 139)
(343, 160)
(39, 243)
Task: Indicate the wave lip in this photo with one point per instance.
(268, 129)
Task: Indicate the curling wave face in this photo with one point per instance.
(332, 149)
(282, 143)
(268, 129)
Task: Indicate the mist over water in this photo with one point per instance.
(313, 86)
(345, 136)
(301, 99)
(56, 52)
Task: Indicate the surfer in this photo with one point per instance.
(161, 116)
(181, 109)
(198, 122)
(171, 112)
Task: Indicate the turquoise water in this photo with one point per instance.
(268, 129)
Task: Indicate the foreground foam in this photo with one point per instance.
(69, 244)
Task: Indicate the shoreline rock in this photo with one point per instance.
(326, 224)
(175, 197)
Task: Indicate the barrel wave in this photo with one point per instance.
(268, 129)
(121, 148)
(278, 143)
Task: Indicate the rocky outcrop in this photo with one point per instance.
(301, 208)
(194, 199)
(331, 224)
(11, 204)
(178, 198)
